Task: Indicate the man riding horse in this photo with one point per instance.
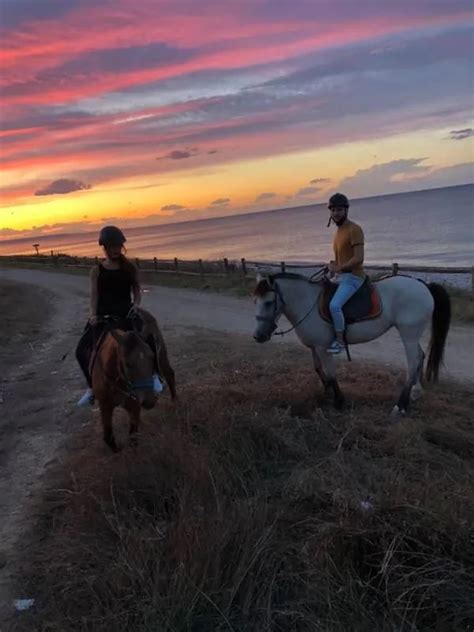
(114, 282)
(347, 269)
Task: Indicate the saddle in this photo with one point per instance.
(365, 304)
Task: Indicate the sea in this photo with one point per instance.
(433, 227)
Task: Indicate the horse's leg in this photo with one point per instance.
(134, 419)
(166, 368)
(106, 414)
(417, 390)
(410, 338)
(318, 367)
(329, 370)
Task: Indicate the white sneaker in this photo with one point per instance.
(157, 384)
(335, 347)
(87, 399)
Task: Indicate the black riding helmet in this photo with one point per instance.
(111, 236)
(338, 199)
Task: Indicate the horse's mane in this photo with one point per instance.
(265, 285)
(288, 275)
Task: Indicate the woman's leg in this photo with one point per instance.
(83, 352)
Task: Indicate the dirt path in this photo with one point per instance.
(39, 391)
(192, 308)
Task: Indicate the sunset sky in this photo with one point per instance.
(158, 111)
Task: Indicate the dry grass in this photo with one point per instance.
(243, 508)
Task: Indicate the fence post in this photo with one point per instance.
(283, 267)
(155, 263)
(176, 264)
(226, 265)
(244, 266)
(472, 283)
(201, 270)
(97, 261)
(394, 268)
(137, 262)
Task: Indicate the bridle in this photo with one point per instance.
(130, 388)
(317, 277)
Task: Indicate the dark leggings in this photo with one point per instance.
(91, 337)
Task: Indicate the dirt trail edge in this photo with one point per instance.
(37, 412)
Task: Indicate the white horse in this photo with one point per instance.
(407, 304)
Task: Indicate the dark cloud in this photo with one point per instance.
(461, 134)
(308, 191)
(212, 151)
(220, 202)
(172, 207)
(179, 154)
(265, 196)
(319, 180)
(63, 186)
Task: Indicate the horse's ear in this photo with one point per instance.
(117, 336)
(262, 288)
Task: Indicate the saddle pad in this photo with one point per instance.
(365, 304)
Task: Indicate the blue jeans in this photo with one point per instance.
(348, 285)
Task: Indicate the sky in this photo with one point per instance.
(156, 111)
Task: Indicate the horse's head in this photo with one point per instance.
(137, 364)
(269, 307)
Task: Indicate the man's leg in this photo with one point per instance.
(347, 287)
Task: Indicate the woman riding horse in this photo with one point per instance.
(114, 282)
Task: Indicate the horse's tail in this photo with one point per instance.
(165, 368)
(440, 322)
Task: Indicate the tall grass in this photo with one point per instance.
(252, 506)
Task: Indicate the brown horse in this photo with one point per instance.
(122, 375)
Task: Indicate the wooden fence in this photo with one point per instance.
(225, 267)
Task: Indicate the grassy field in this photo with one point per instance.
(252, 506)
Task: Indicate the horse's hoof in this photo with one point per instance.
(397, 412)
(416, 393)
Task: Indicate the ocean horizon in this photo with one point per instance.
(433, 227)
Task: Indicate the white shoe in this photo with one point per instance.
(157, 384)
(335, 347)
(87, 399)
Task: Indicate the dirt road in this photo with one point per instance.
(192, 308)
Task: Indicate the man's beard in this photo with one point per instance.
(341, 221)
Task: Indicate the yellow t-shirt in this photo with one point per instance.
(347, 236)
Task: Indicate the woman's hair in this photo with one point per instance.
(128, 266)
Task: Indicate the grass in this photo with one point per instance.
(252, 506)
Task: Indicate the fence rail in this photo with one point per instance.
(224, 267)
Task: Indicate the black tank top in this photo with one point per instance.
(114, 292)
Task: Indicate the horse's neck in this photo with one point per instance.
(299, 296)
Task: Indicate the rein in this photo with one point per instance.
(318, 276)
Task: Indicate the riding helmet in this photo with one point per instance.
(111, 236)
(338, 199)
